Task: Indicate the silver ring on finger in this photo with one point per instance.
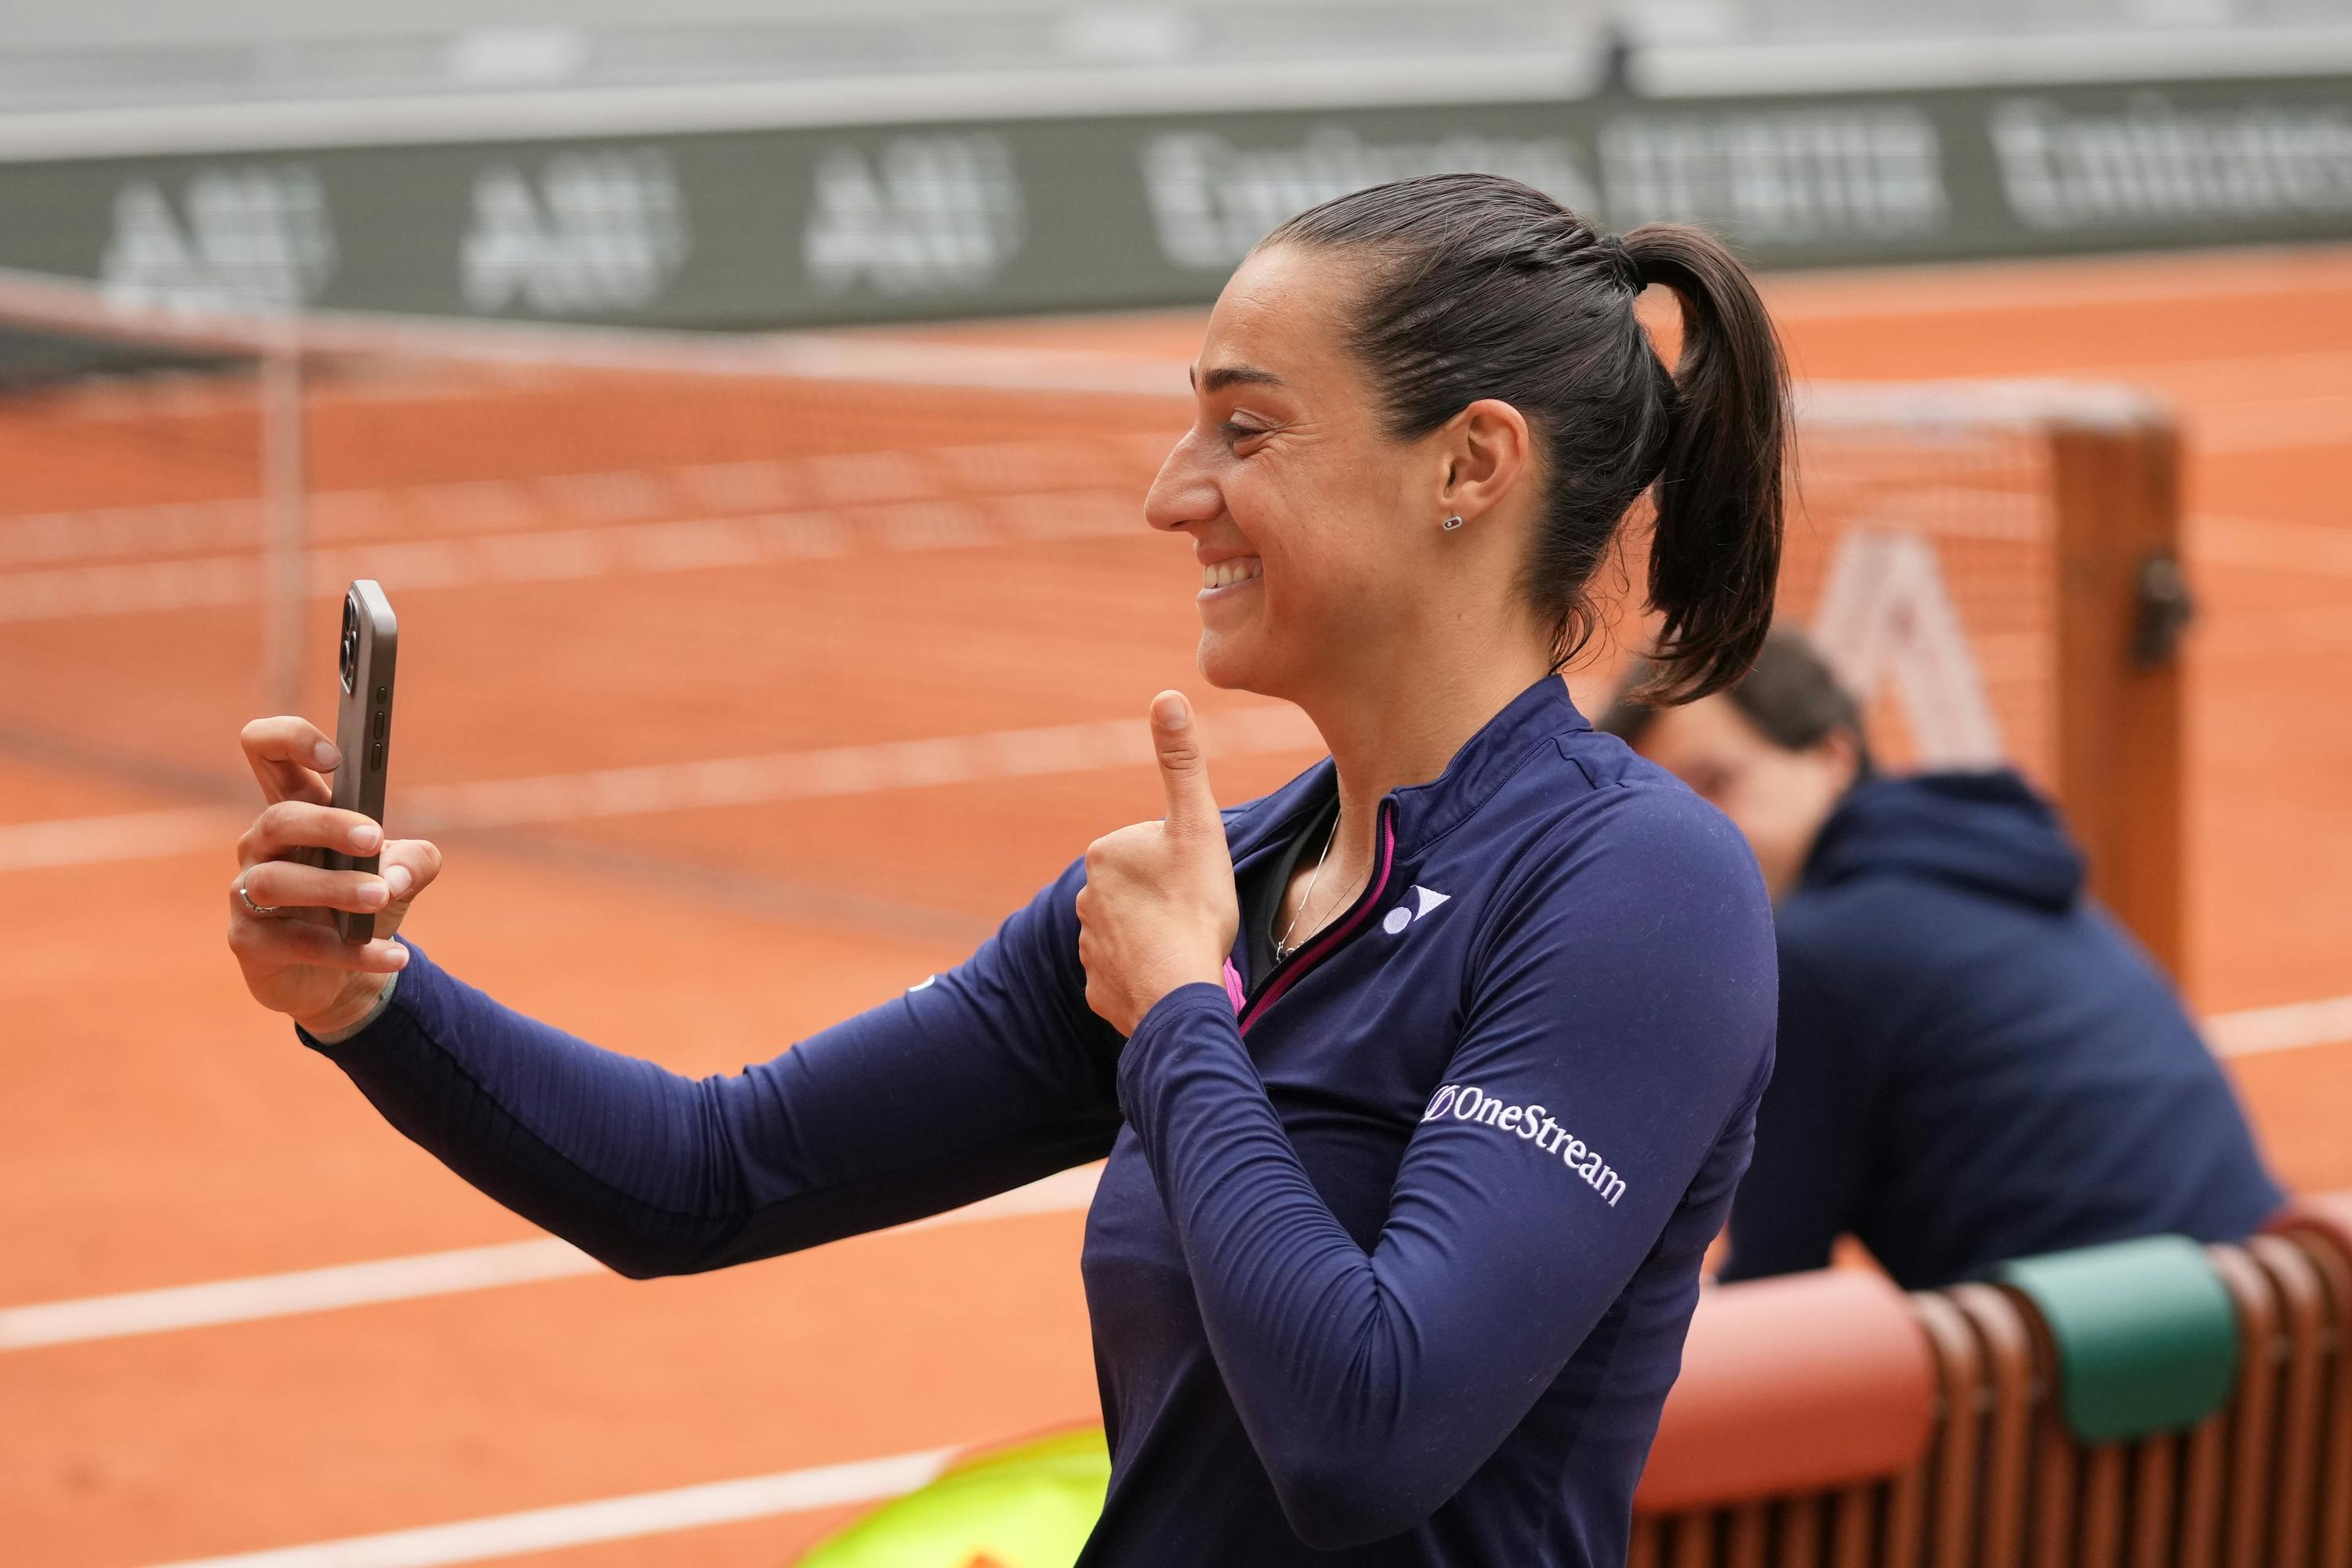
(265, 911)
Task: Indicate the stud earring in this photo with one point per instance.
(1450, 523)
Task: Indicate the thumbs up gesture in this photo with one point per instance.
(1158, 911)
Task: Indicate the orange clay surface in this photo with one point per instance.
(157, 1130)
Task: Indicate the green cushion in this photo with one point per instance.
(2146, 1334)
(1027, 1507)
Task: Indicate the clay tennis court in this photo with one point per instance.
(159, 1132)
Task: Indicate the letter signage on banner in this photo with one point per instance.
(254, 235)
(959, 216)
(584, 234)
(926, 215)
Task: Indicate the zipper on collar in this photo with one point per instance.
(1285, 973)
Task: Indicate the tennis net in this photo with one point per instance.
(652, 586)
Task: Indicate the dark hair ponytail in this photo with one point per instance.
(1482, 286)
(1715, 553)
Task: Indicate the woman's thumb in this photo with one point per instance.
(1184, 772)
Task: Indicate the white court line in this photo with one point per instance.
(287, 1295)
(1027, 472)
(684, 786)
(2053, 283)
(839, 771)
(553, 556)
(610, 1519)
(2259, 1031)
(2278, 544)
(2315, 631)
(2276, 424)
(130, 836)
(448, 1273)
(2227, 380)
(2255, 1032)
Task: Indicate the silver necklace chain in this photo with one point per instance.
(1282, 947)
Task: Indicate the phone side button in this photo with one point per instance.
(375, 758)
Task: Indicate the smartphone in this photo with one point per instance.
(363, 727)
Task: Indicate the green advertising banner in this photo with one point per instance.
(812, 225)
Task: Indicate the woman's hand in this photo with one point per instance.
(1158, 911)
(294, 961)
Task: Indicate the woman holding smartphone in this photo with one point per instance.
(1424, 1080)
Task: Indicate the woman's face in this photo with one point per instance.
(1314, 532)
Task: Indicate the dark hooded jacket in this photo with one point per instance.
(1975, 1061)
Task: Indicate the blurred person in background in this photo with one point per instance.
(1976, 1061)
(1404, 1276)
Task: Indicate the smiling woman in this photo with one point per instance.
(1324, 1315)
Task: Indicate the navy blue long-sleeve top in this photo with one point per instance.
(1397, 1241)
(1976, 1062)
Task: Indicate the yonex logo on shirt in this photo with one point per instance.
(1420, 900)
(1468, 1102)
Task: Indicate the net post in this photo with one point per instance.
(284, 525)
(2117, 484)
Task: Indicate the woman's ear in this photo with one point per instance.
(1486, 450)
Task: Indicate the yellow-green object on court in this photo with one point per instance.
(1030, 1506)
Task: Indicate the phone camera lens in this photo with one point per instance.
(349, 658)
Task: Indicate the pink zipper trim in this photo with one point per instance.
(1323, 944)
(1234, 991)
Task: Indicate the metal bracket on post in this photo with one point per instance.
(2166, 607)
